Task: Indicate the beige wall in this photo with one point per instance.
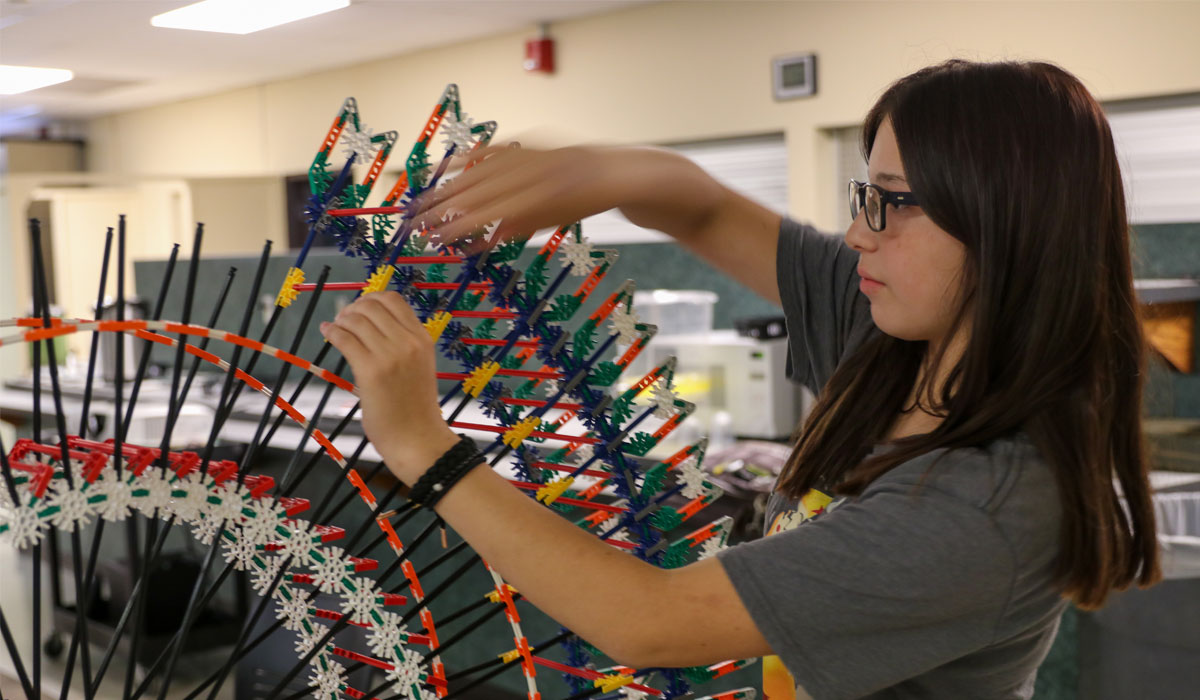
(666, 72)
(240, 213)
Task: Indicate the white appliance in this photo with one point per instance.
(737, 383)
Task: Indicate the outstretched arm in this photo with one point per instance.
(529, 189)
(639, 614)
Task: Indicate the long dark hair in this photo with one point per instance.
(1016, 161)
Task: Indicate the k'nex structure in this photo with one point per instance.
(541, 375)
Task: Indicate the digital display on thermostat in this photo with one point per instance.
(795, 75)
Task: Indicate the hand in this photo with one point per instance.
(526, 190)
(394, 365)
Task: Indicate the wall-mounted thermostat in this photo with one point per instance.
(794, 76)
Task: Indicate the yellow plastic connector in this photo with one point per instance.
(287, 292)
(551, 491)
(494, 595)
(480, 377)
(437, 323)
(510, 656)
(379, 279)
(517, 434)
(612, 682)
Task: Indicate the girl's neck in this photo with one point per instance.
(921, 414)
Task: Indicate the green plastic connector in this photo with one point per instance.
(415, 245)
(319, 178)
(654, 478)
(468, 302)
(535, 278)
(506, 252)
(666, 519)
(604, 374)
(676, 555)
(563, 308)
(381, 229)
(356, 195)
(594, 651)
(485, 330)
(418, 167)
(557, 456)
(525, 391)
(584, 341)
(699, 674)
(640, 444)
(622, 409)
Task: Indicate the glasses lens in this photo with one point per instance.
(874, 208)
(854, 193)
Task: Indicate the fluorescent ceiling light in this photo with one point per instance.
(243, 16)
(15, 79)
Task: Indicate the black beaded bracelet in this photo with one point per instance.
(446, 472)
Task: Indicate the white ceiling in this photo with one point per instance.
(121, 62)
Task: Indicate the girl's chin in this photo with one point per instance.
(890, 325)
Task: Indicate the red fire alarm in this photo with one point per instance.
(539, 54)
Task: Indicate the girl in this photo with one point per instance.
(976, 347)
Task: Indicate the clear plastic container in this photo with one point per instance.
(676, 311)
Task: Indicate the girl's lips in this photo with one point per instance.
(866, 286)
(868, 277)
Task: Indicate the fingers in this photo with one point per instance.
(482, 164)
(470, 159)
(497, 178)
(365, 323)
(400, 310)
(522, 209)
(467, 224)
(469, 197)
(342, 338)
(377, 334)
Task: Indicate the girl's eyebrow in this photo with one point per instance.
(890, 177)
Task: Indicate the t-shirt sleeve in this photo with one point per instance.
(879, 590)
(827, 316)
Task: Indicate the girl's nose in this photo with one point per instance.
(859, 236)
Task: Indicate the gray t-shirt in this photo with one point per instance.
(933, 583)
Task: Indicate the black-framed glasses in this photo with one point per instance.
(874, 199)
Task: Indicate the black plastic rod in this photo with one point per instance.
(304, 380)
(504, 666)
(191, 612)
(259, 609)
(257, 444)
(81, 607)
(95, 346)
(227, 387)
(15, 653)
(212, 323)
(313, 421)
(174, 401)
(37, 547)
(81, 629)
(147, 345)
